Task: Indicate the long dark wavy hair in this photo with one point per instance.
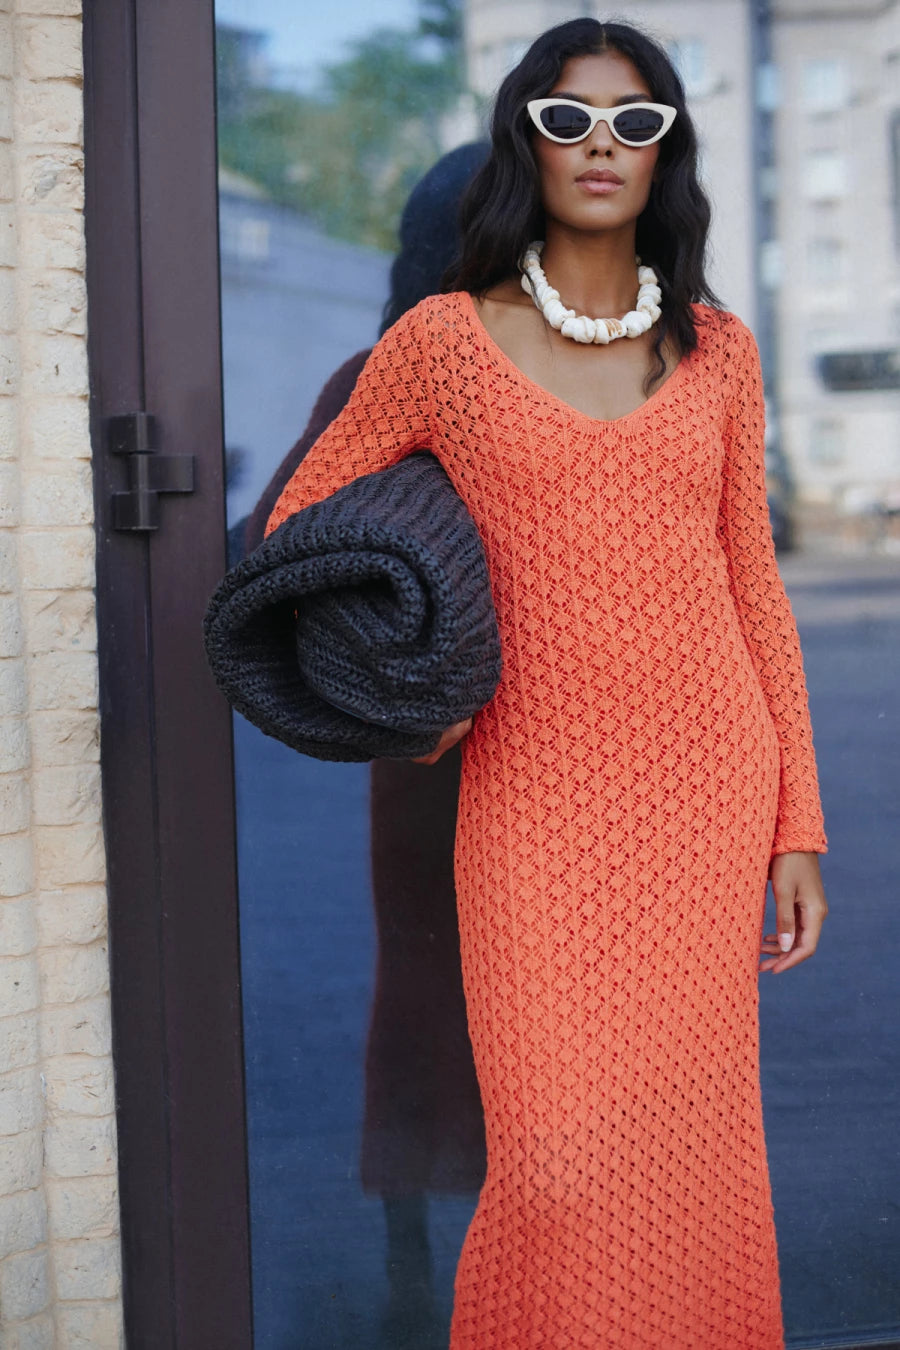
(501, 211)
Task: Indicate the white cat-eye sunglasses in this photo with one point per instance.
(564, 120)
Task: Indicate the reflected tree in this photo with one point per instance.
(348, 154)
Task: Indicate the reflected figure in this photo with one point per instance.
(423, 1127)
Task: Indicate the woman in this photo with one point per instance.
(647, 761)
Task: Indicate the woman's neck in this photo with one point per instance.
(595, 273)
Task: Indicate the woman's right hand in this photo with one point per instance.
(450, 737)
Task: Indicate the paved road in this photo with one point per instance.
(830, 1045)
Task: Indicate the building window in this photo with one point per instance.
(690, 56)
(824, 261)
(768, 90)
(510, 53)
(894, 133)
(823, 85)
(770, 264)
(826, 441)
(824, 175)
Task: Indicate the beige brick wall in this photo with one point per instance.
(60, 1278)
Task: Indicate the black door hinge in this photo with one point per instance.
(133, 435)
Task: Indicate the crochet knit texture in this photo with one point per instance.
(647, 751)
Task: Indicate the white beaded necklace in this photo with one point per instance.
(580, 326)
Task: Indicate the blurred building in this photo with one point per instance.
(838, 213)
(797, 107)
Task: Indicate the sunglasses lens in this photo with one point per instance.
(562, 120)
(637, 125)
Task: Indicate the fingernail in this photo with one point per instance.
(785, 941)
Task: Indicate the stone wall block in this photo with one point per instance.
(95, 1326)
(67, 736)
(9, 495)
(88, 1269)
(52, 241)
(54, 7)
(23, 1222)
(19, 1043)
(9, 568)
(76, 1146)
(10, 626)
(67, 794)
(13, 704)
(49, 110)
(24, 1286)
(21, 1107)
(77, 914)
(82, 1028)
(19, 984)
(56, 428)
(69, 854)
(9, 304)
(56, 303)
(56, 364)
(82, 1207)
(15, 805)
(9, 433)
(59, 622)
(36, 1334)
(8, 230)
(63, 680)
(16, 864)
(53, 178)
(10, 364)
(7, 47)
(18, 930)
(68, 974)
(58, 559)
(14, 740)
(49, 51)
(58, 495)
(6, 108)
(21, 1161)
(79, 1085)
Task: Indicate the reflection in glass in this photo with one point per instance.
(366, 1141)
(366, 1131)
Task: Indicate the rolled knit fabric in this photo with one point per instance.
(364, 625)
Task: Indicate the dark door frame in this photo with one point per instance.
(166, 740)
(154, 344)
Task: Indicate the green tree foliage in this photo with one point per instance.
(349, 156)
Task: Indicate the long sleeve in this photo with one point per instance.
(745, 534)
(387, 416)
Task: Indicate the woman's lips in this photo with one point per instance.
(598, 187)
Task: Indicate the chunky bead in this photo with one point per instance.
(581, 327)
(635, 323)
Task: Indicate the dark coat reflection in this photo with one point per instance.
(423, 1129)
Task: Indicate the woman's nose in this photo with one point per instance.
(601, 139)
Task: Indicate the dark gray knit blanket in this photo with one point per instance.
(364, 625)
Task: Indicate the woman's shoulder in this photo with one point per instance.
(723, 336)
(434, 324)
(723, 323)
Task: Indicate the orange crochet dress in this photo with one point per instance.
(647, 751)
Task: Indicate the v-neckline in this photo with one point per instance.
(496, 351)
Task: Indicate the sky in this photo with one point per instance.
(306, 33)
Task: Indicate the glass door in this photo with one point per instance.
(365, 1134)
(366, 1139)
